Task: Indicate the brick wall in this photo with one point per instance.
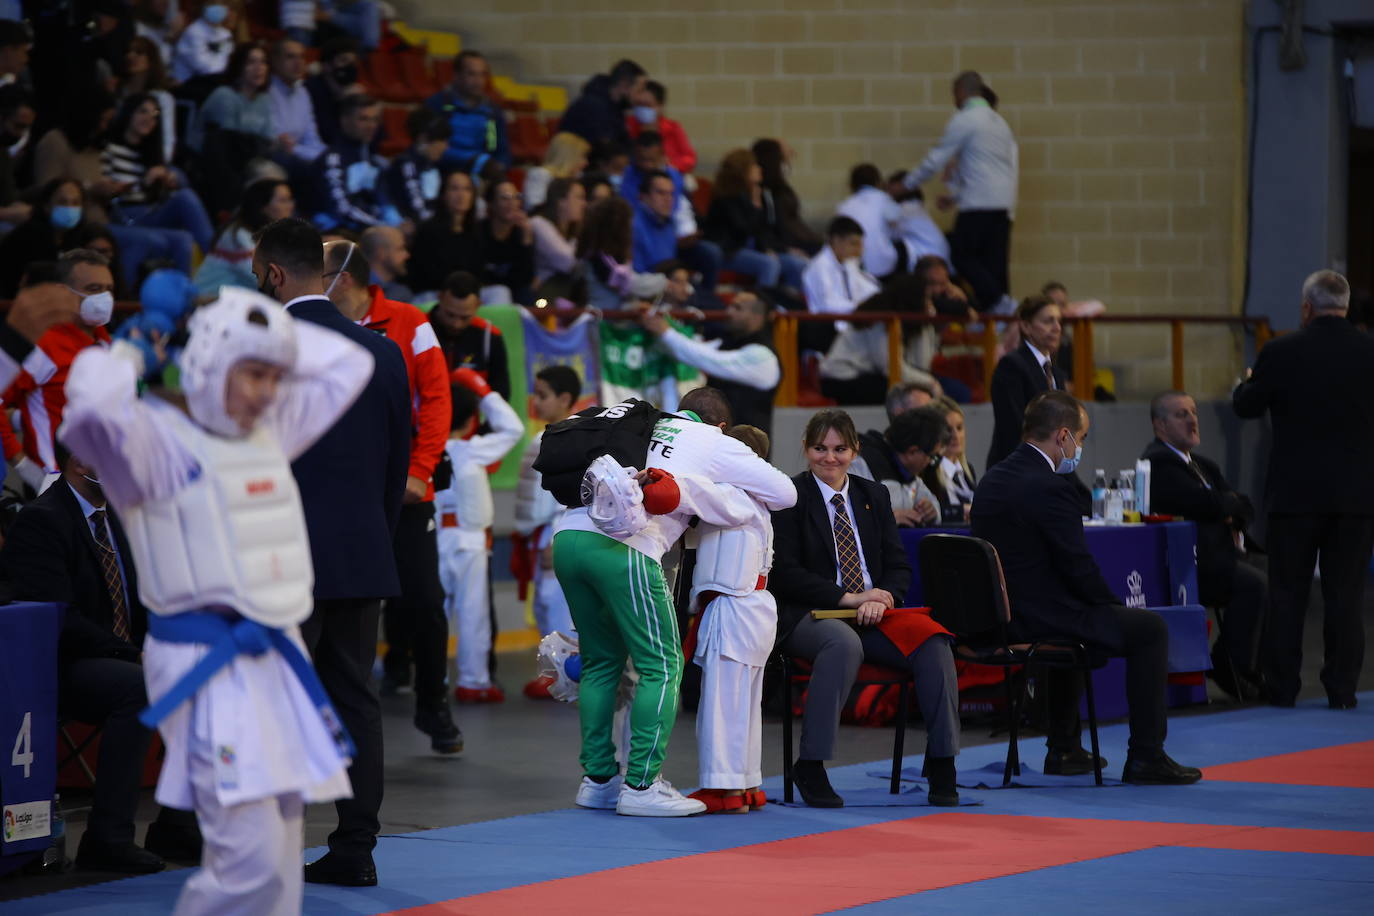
(1129, 115)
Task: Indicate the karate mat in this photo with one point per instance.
(1285, 821)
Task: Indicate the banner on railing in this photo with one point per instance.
(633, 366)
(574, 346)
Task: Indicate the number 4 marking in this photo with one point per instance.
(23, 745)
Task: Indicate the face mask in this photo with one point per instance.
(96, 309)
(335, 282)
(265, 287)
(645, 115)
(65, 217)
(215, 13)
(614, 180)
(345, 75)
(429, 184)
(1069, 465)
(90, 479)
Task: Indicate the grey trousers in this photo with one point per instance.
(836, 650)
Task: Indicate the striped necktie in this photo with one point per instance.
(1049, 374)
(846, 549)
(114, 579)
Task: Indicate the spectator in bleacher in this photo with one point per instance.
(700, 254)
(234, 132)
(597, 186)
(384, 247)
(16, 120)
(350, 193)
(898, 457)
(556, 226)
(939, 294)
(737, 223)
(50, 229)
(598, 114)
(297, 19)
(98, 238)
(655, 233)
(678, 291)
(337, 78)
(646, 155)
(204, 47)
(1024, 373)
(468, 340)
(610, 160)
(360, 18)
(781, 201)
(915, 229)
(478, 125)
(872, 207)
(606, 249)
(153, 195)
(507, 243)
(447, 241)
(161, 22)
(230, 259)
(413, 178)
(144, 72)
(647, 114)
(835, 282)
(855, 368)
(566, 157)
(293, 111)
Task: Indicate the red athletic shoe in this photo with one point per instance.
(479, 694)
(538, 689)
(717, 802)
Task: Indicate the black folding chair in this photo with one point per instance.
(967, 593)
(76, 749)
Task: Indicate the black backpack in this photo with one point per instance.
(570, 446)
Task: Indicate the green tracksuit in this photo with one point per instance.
(621, 606)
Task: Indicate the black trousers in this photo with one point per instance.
(415, 625)
(1297, 543)
(341, 634)
(1142, 638)
(110, 693)
(979, 247)
(1244, 611)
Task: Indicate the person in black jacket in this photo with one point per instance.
(351, 482)
(1024, 373)
(838, 547)
(1314, 383)
(447, 241)
(66, 547)
(738, 222)
(1029, 509)
(598, 114)
(1183, 482)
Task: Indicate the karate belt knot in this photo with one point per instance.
(228, 637)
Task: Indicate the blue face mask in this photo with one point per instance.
(1069, 465)
(65, 217)
(215, 13)
(644, 114)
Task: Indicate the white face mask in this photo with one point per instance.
(97, 309)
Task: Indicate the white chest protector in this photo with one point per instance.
(730, 560)
(234, 536)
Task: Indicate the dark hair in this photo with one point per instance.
(426, 125)
(157, 67)
(67, 261)
(238, 62)
(85, 233)
(864, 175)
(656, 90)
(351, 104)
(709, 404)
(293, 244)
(465, 404)
(606, 150)
(256, 198)
(822, 421)
(607, 229)
(751, 436)
(441, 211)
(1050, 411)
(732, 176)
(358, 267)
(1032, 306)
(466, 55)
(844, 227)
(648, 139)
(149, 149)
(336, 47)
(593, 180)
(13, 97)
(14, 32)
(557, 192)
(925, 428)
(1051, 286)
(462, 284)
(624, 70)
(561, 380)
(925, 264)
(646, 180)
(81, 126)
(768, 154)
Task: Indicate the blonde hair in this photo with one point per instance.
(565, 154)
(948, 406)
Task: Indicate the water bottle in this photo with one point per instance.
(1099, 494)
(1114, 510)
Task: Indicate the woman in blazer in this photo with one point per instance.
(868, 571)
(1021, 374)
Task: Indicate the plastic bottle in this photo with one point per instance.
(1114, 511)
(1099, 494)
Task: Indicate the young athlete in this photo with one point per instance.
(214, 520)
(465, 513)
(556, 389)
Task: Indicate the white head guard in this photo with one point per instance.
(241, 324)
(560, 660)
(614, 499)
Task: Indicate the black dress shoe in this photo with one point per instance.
(345, 872)
(179, 843)
(944, 789)
(444, 735)
(814, 785)
(1341, 700)
(1076, 762)
(1238, 682)
(125, 858)
(1162, 771)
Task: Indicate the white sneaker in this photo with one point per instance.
(603, 796)
(659, 800)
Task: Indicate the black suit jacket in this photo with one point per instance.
(1016, 381)
(50, 555)
(1033, 517)
(1176, 490)
(352, 479)
(804, 568)
(1315, 383)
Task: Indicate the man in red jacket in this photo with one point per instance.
(416, 628)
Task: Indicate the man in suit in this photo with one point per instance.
(1183, 482)
(1029, 509)
(1314, 384)
(351, 483)
(65, 547)
(1025, 372)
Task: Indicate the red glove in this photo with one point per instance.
(661, 493)
(472, 380)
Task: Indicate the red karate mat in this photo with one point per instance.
(1346, 765)
(844, 868)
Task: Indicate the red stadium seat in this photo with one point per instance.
(415, 73)
(396, 139)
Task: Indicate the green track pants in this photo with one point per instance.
(621, 606)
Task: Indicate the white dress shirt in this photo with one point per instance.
(294, 114)
(827, 491)
(832, 288)
(920, 234)
(1042, 359)
(202, 48)
(985, 177)
(878, 214)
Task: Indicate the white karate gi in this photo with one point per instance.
(465, 513)
(249, 749)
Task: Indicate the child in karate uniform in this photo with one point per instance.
(218, 535)
(465, 512)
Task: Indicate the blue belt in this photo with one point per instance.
(227, 638)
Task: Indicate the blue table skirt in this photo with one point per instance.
(28, 728)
